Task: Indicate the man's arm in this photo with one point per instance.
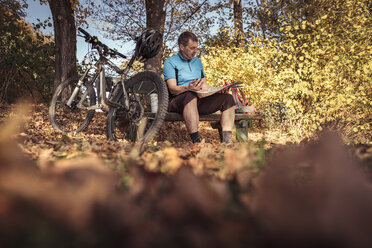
(174, 88)
(199, 84)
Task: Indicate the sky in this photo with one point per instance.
(42, 11)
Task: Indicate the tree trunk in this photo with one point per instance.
(155, 18)
(260, 18)
(9, 77)
(65, 40)
(238, 22)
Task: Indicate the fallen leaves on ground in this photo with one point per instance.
(82, 190)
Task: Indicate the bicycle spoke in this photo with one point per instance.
(151, 92)
(140, 86)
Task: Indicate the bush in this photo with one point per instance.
(26, 59)
(317, 74)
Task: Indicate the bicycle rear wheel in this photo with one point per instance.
(142, 121)
(72, 118)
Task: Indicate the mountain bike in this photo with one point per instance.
(135, 106)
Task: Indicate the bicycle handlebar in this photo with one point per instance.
(102, 48)
(84, 32)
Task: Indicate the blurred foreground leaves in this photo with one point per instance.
(84, 191)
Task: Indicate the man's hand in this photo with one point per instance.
(196, 84)
(199, 84)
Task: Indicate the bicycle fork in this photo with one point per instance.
(101, 90)
(77, 88)
(124, 74)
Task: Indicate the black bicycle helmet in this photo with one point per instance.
(148, 44)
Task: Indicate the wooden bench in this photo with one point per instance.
(242, 123)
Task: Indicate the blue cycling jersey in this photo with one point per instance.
(184, 71)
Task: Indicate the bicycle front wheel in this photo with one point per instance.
(73, 117)
(148, 100)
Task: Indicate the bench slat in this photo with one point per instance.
(212, 117)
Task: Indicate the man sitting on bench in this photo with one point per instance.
(184, 72)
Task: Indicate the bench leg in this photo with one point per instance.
(136, 132)
(141, 128)
(242, 129)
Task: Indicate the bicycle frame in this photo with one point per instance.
(103, 102)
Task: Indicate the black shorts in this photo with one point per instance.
(206, 105)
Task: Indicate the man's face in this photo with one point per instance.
(189, 51)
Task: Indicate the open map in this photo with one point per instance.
(213, 90)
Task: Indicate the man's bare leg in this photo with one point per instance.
(227, 123)
(191, 115)
(227, 119)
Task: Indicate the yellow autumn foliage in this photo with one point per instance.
(314, 76)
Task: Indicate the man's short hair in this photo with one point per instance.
(185, 37)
